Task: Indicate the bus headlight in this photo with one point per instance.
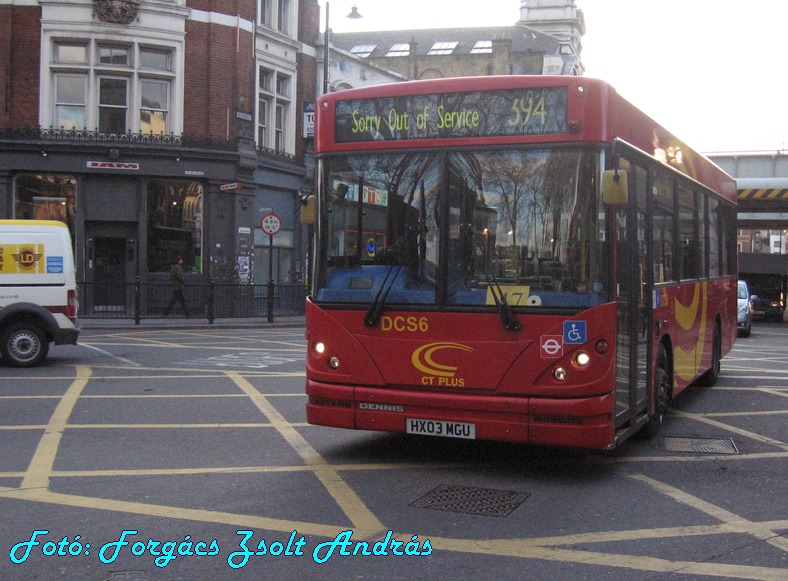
(320, 348)
(559, 373)
(333, 362)
(581, 359)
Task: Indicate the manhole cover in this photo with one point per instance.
(478, 501)
(698, 445)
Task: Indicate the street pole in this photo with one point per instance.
(326, 40)
(271, 286)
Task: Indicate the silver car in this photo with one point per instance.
(744, 305)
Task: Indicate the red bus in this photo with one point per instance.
(525, 258)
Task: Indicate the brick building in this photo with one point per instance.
(159, 128)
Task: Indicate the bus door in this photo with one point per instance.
(633, 318)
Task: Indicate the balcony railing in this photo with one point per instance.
(208, 301)
(165, 140)
(54, 134)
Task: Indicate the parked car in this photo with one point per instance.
(745, 309)
(768, 300)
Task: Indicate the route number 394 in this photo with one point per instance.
(525, 108)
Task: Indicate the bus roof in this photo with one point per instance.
(478, 111)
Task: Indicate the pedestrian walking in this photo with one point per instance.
(176, 280)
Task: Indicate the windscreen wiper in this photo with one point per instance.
(376, 308)
(508, 319)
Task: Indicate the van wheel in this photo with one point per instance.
(662, 389)
(24, 345)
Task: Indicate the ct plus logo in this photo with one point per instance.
(438, 374)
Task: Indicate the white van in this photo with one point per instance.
(38, 290)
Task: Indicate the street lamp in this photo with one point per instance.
(354, 14)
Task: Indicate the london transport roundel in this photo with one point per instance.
(270, 224)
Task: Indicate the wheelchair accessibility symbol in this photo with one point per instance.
(574, 332)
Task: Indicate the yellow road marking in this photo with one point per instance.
(733, 521)
(43, 460)
(735, 430)
(501, 547)
(155, 395)
(36, 479)
(509, 548)
(346, 497)
(200, 515)
(201, 373)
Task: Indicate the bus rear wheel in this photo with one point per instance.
(661, 395)
(709, 378)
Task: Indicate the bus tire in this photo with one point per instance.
(24, 345)
(662, 389)
(709, 378)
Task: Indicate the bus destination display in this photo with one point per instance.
(536, 111)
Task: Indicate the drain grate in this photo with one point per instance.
(478, 501)
(698, 445)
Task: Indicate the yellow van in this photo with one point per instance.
(38, 290)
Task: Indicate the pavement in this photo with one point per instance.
(190, 323)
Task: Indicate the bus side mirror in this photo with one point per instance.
(614, 187)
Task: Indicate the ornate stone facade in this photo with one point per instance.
(116, 11)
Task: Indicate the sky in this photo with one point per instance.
(713, 72)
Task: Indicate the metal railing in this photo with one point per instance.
(209, 301)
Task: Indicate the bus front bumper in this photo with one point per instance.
(571, 422)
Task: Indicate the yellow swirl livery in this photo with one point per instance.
(687, 360)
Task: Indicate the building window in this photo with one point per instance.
(71, 53)
(399, 49)
(482, 47)
(112, 88)
(283, 16)
(275, 14)
(279, 130)
(363, 50)
(175, 217)
(114, 55)
(70, 91)
(154, 106)
(262, 123)
(266, 10)
(113, 105)
(46, 197)
(273, 109)
(440, 48)
(282, 86)
(157, 60)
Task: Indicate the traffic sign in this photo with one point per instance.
(270, 224)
